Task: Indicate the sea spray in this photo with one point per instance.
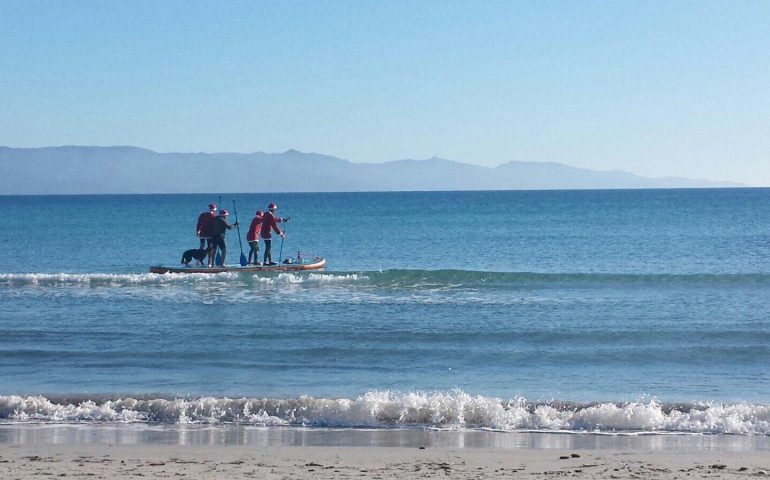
(453, 410)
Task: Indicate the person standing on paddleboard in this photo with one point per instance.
(253, 238)
(203, 229)
(219, 227)
(270, 223)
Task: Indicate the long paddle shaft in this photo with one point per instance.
(280, 254)
(244, 260)
(218, 257)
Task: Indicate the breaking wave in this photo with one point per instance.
(387, 279)
(150, 279)
(454, 410)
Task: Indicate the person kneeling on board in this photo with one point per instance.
(218, 229)
(270, 222)
(253, 238)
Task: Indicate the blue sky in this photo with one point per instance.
(656, 88)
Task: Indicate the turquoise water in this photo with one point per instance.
(562, 310)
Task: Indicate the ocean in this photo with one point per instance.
(609, 312)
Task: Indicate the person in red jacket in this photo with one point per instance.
(203, 229)
(270, 223)
(253, 238)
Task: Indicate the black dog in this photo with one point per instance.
(198, 254)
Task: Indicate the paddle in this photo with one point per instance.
(244, 261)
(280, 254)
(218, 258)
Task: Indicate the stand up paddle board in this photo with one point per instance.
(315, 264)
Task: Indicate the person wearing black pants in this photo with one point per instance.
(269, 225)
(219, 227)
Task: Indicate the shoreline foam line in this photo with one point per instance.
(455, 410)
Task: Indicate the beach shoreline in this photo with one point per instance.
(109, 451)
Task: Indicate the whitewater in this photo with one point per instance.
(454, 410)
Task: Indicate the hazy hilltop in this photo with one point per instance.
(103, 170)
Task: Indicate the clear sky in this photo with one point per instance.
(655, 88)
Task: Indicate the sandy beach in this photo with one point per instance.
(108, 452)
(165, 461)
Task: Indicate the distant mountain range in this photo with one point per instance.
(100, 170)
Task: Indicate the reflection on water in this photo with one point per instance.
(288, 437)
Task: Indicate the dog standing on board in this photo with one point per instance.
(199, 254)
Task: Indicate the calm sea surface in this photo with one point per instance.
(611, 311)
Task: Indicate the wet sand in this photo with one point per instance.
(124, 452)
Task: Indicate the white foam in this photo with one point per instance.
(106, 279)
(308, 278)
(454, 410)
